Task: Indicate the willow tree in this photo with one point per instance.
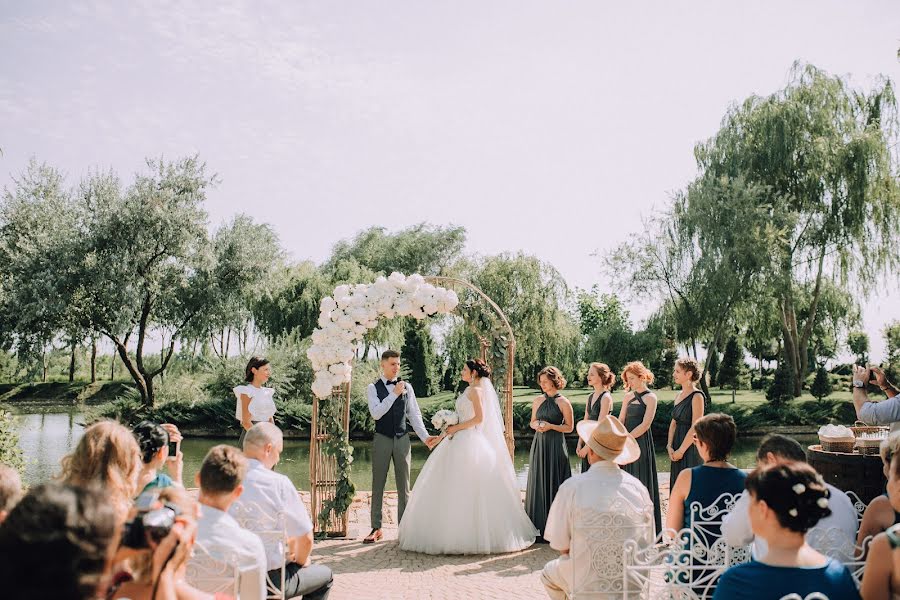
(822, 150)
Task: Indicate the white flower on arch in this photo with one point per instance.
(345, 317)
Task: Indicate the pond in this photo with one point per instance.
(45, 437)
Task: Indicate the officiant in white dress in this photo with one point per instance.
(466, 499)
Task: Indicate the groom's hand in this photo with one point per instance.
(399, 388)
(432, 441)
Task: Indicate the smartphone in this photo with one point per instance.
(173, 449)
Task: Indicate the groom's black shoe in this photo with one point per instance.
(373, 537)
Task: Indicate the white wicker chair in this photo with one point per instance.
(271, 530)
(598, 538)
(211, 575)
(858, 505)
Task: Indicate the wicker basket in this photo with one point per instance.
(868, 449)
(837, 445)
(860, 427)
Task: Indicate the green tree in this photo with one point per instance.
(858, 343)
(422, 249)
(822, 153)
(821, 385)
(291, 303)
(782, 387)
(712, 367)
(730, 369)
(419, 356)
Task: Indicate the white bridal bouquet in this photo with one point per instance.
(444, 418)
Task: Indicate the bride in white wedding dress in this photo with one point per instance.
(466, 499)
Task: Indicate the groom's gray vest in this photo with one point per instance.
(393, 423)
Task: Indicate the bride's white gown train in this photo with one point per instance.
(466, 499)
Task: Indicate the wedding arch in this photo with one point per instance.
(344, 319)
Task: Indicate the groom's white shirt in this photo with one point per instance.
(379, 408)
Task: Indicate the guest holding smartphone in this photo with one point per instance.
(156, 442)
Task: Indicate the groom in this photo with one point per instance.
(391, 403)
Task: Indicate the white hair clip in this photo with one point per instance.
(822, 502)
(799, 488)
(793, 512)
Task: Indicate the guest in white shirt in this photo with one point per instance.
(603, 488)
(274, 494)
(254, 401)
(834, 535)
(220, 480)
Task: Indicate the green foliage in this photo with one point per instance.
(730, 369)
(291, 303)
(858, 343)
(782, 388)
(10, 452)
(712, 367)
(419, 356)
(891, 334)
(821, 385)
(422, 248)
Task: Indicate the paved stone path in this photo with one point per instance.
(383, 571)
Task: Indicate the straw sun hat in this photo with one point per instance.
(609, 440)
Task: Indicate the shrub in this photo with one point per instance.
(782, 388)
(821, 385)
(10, 452)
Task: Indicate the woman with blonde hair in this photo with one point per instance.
(599, 402)
(548, 463)
(689, 407)
(637, 413)
(107, 455)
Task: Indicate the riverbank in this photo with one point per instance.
(62, 393)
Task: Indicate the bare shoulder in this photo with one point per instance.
(563, 400)
(537, 400)
(476, 392)
(683, 483)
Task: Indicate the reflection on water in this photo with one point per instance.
(46, 437)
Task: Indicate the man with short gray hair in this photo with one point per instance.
(274, 494)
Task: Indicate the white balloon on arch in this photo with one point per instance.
(345, 318)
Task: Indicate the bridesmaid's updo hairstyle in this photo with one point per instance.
(607, 377)
(257, 362)
(689, 365)
(794, 490)
(554, 375)
(151, 438)
(718, 432)
(479, 367)
(637, 368)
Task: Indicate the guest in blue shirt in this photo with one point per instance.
(153, 440)
(786, 501)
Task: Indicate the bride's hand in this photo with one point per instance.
(452, 429)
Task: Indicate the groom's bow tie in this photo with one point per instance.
(392, 381)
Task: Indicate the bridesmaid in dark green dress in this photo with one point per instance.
(637, 413)
(689, 406)
(598, 404)
(548, 463)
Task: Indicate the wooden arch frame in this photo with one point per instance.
(323, 471)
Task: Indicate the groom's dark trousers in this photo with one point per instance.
(384, 449)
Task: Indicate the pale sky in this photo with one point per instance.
(546, 127)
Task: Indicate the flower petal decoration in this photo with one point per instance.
(822, 502)
(793, 512)
(799, 488)
(352, 310)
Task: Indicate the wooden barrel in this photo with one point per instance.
(862, 474)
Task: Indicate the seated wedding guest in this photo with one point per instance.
(551, 419)
(786, 501)
(153, 440)
(880, 513)
(10, 490)
(837, 530)
(106, 455)
(220, 480)
(143, 580)
(275, 494)
(715, 434)
(57, 543)
(880, 580)
(604, 489)
(886, 412)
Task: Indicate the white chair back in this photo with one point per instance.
(857, 565)
(598, 537)
(858, 505)
(271, 530)
(213, 575)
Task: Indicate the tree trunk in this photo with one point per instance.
(45, 366)
(72, 349)
(93, 359)
(162, 355)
